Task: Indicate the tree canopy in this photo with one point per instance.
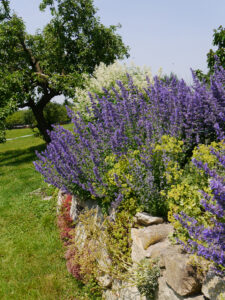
(213, 55)
(34, 68)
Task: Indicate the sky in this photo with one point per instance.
(174, 35)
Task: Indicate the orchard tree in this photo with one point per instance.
(36, 68)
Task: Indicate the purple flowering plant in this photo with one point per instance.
(209, 241)
(75, 161)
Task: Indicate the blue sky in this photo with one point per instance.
(174, 35)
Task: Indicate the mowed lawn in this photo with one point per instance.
(32, 264)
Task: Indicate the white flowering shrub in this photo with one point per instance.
(106, 77)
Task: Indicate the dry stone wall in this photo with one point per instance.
(179, 280)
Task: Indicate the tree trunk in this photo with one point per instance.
(42, 124)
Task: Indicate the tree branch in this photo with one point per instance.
(34, 62)
(46, 98)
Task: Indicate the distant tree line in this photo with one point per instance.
(54, 113)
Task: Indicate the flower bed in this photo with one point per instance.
(137, 151)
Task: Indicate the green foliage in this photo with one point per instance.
(35, 68)
(147, 275)
(186, 194)
(17, 118)
(166, 158)
(91, 291)
(118, 241)
(117, 178)
(56, 113)
(219, 42)
(29, 118)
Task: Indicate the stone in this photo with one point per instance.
(180, 275)
(122, 291)
(77, 206)
(47, 198)
(137, 251)
(158, 250)
(143, 218)
(105, 281)
(214, 287)
(153, 234)
(142, 237)
(61, 196)
(165, 292)
(201, 297)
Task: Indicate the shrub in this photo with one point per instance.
(208, 240)
(17, 118)
(105, 77)
(146, 278)
(56, 113)
(65, 223)
(185, 195)
(118, 242)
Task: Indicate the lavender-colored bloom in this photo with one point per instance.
(209, 242)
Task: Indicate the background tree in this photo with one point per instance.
(36, 68)
(219, 53)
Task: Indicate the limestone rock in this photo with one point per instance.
(61, 196)
(77, 206)
(165, 292)
(105, 281)
(214, 287)
(201, 297)
(137, 251)
(143, 218)
(153, 234)
(160, 250)
(123, 291)
(180, 275)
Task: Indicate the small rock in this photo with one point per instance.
(180, 275)
(61, 196)
(214, 287)
(47, 198)
(143, 218)
(105, 281)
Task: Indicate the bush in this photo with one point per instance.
(17, 118)
(186, 194)
(207, 240)
(147, 274)
(56, 113)
(105, 78)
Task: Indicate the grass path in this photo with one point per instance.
(32, 264)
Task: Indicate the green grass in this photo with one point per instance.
(32, 264)
(13, 133)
